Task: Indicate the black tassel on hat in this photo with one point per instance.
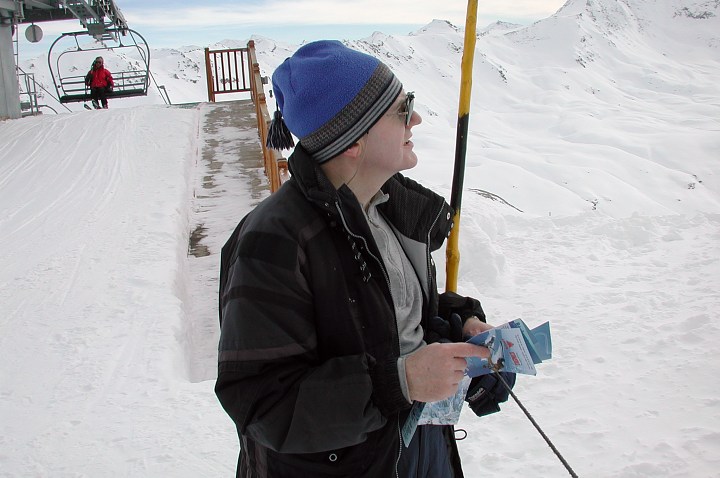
(279, 136)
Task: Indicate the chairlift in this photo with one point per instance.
(69, 79)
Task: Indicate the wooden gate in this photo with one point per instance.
(228, 71)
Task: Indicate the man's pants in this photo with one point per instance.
(99, 95)
(427, 456)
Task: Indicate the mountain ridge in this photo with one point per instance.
(636, 76)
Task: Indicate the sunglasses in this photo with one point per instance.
(408, 106)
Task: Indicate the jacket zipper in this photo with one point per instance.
(362, 238)
(428, 255)
(397, 332)
(428, 275)
(397, 461)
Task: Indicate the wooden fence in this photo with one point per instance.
(236, 70)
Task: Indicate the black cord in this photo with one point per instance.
(532, 420)
(460, 430)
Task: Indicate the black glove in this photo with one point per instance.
(465, 307)
(486, 392)
(441, 330)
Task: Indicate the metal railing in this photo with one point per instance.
(28, 94)
(126, 83)
(29, 87)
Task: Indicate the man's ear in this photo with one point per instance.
(356, 150)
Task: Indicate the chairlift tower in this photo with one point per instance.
(102, 19)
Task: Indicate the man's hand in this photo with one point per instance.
(474, 326)
(433, 372)
(486, 393)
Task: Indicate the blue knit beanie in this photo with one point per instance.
(329, 96)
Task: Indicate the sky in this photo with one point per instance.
(172, 24)
(591, 200)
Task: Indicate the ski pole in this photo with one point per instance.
(535, 424)
(85, 98)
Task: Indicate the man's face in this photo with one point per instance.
(388, 142)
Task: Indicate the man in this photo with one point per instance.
(328, 289)
(100, 81)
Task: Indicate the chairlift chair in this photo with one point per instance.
(69, 80)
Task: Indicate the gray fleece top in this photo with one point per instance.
(404, 286)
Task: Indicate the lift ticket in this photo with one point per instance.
(513, 348)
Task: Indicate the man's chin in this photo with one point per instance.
(411, 161)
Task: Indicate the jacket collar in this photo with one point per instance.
(311, 180)
(413, 209)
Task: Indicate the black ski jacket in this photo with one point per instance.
(309, 342)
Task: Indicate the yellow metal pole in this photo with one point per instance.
(452, 251)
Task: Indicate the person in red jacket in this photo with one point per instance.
(100, 82)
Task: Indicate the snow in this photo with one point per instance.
(591, 200)
(94, 231)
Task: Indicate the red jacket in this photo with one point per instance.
(99, 78)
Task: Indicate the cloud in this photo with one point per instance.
(293, 20)
(326, 12)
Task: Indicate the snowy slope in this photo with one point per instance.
(94, 230)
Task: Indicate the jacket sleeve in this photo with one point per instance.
(270, 379)
(109, 77)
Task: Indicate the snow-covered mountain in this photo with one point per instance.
(638, 76)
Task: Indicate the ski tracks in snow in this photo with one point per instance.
(91, 275)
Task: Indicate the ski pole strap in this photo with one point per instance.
(537, 427)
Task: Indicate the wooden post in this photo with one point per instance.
(209, 74)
